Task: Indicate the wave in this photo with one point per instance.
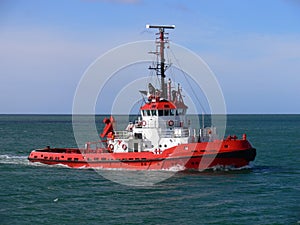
(231, 168)
(176, 168)
(12, 159)
(23, 160)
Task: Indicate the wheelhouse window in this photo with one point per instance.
(181, 111)
(154, 112)
(147, 112)
(167, 112)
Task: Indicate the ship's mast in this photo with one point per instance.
(160, 67)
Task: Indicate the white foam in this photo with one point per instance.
(230, 168)
(175, 168)
(23, 160)
(12, 159)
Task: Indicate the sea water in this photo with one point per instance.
(267, 192)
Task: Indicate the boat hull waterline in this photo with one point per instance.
(193, 156)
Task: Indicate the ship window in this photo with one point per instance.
(181, 111)
(45, 157)
(160, 146)
(167, 112)
(62, 156)
(75, 159)
(51, 158)
(172, 112)
(138, 135)
(137, 158)
(144, 112)
(35, 156)
(136, 147)
(69, 159)
(103, 158)
(96, 159)
(41, 155)
(153, 112)
(176, 112)
(225, 146)
(88, 159)
(160, 112)
(148, 112)
(130, 159)
(165, 146)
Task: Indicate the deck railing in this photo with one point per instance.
(163, 133)
(123, 134)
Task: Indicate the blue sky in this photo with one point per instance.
(253, 47)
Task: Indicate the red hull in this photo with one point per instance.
(196, 156)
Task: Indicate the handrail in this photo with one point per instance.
(164, 133)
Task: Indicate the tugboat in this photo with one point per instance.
(160, 139)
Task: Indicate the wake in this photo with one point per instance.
(22, 160)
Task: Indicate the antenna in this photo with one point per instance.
(160, 67)
(160, 26)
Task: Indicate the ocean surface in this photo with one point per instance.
(267, 192)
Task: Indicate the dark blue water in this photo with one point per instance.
(267, 193)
